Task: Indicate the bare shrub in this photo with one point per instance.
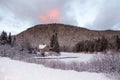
(106, 63)
(56, 64)
(103, 63)
(77, 66)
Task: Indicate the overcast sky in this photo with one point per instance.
(18, 15)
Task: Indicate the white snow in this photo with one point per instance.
(42, 46)
(70, 57)
(81, 57)
(16, 70)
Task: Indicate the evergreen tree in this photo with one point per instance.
(91, 46)
(54, 43)
(97, 46)
(9, 39)
(104, 44)
(117, 42)
(3, 39)
(77, 47)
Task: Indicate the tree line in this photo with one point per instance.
(6, 38)
(98, 45)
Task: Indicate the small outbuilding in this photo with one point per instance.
(45, 50)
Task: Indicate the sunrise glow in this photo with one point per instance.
(51, 16)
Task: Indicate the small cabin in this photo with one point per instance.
(45, 50)
(42, 49)
(42, 46)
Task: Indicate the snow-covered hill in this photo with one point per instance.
(16, 70)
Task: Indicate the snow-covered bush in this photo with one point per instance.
(107, 63)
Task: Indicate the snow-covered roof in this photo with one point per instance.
(42, 46)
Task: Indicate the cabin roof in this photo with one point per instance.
(42, 46)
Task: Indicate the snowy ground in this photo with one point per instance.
(70, 57)
(16, 70)
(82, 57)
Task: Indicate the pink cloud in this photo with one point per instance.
(51, 16)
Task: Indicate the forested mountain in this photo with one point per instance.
(68, 36)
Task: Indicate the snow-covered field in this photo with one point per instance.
(70, 57)
(16, 70)
(81, 57)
